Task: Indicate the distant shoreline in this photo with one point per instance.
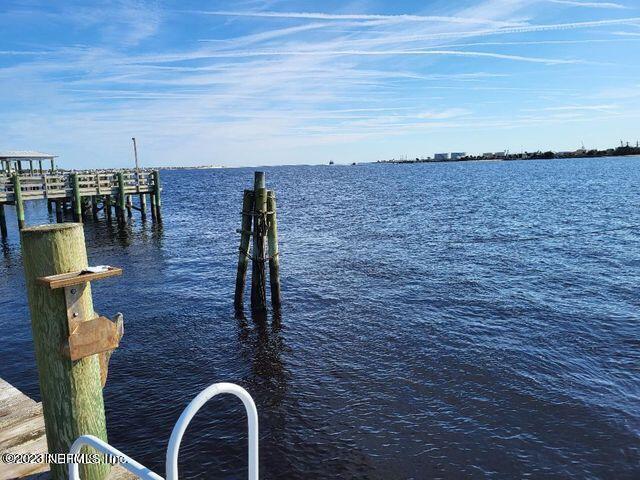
(622, 151)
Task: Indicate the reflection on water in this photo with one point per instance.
(403, 349)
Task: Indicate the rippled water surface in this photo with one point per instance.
(439, 321)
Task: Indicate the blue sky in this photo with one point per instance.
(280, 82)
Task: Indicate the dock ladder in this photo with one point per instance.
(176, 437)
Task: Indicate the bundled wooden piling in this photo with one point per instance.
(274, 261)
(245, 239)
(259, 222)
(71, 390)
(258, 274)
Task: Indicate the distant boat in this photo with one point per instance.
(330, 162)
(354, 163)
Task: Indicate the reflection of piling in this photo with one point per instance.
(245, 238)
(259, 221)
(274, 262)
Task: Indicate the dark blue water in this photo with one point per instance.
(439, 321)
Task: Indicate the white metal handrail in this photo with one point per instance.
(176, 437)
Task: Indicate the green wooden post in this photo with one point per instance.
(53, 165)
(107, 206)
(274, 261)
(152, 197)
(17, 195)
(77, 198)
(143, 206)
(3, 222)
(258, 274)
(121, 197)
(243, 256)
(31, 167)
(59, 212)
(71, 391)
(156, 192)
(129, 206)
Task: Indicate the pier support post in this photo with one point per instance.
(143, 206)
(107, 206)
(129, 207)
(77, 198)
(243, 254)
(121, 198)
(49, 206)
(258, 274)
(3, 222)
(274, 261)
(156, 193)
(17, 195)
(59, 211)
(71, 390)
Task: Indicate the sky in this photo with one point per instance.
(268, 82)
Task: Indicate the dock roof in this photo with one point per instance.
(25, 155)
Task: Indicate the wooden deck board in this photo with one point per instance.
(22, 431)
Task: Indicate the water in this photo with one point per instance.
(419, 337)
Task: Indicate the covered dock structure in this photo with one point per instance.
(23, 162)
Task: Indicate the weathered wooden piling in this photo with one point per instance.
(71, 390)
(129, 206)
(143, 206)
(17, 193)
(245, 239)
(3, 222)
(258, 274)
(120, 206)
(260, 222)
(272, 240)
(156, 193)
(59, 211)
(77, 198)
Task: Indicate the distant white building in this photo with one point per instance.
(441, 156)
(458, 155)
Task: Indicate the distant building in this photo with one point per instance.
(458, 155)
(441, 156)
(487, 155)
(500, 154)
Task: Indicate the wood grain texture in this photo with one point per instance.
(71, 391)
(274, 259)
(243, 255)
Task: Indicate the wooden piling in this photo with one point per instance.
(156, 192)
(129, 206)
(152, 197)
(258, 274)
(243, 255)
(77, 198)
(120, 206)
(49, 205)
(107, 206)
(143, 206)
(71, 390)
(3, 222)
(17, 195)
(59, 211)
(274, 261)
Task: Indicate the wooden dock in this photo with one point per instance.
(82, 192)
(22, 431)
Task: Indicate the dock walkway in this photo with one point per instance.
(22, 431)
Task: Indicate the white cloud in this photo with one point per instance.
(575, 3)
